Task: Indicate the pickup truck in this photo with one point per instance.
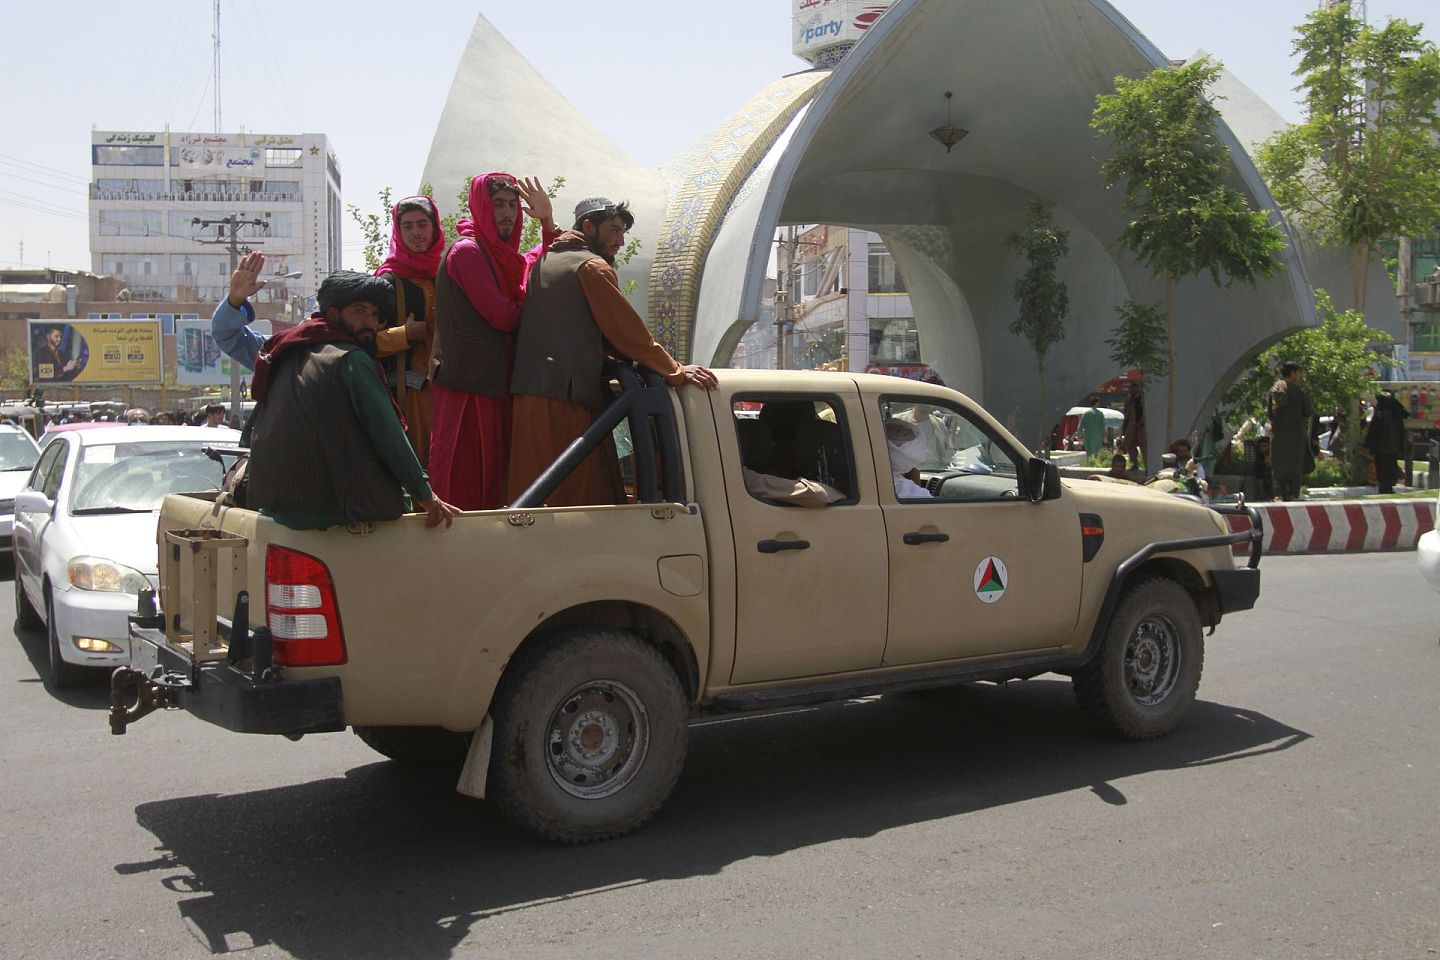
(555, 656)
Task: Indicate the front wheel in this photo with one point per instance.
(26, 616)
(1141, 683)
(590, 735)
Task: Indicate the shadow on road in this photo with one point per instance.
(383, 862)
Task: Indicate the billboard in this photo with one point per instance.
(95, 352)
(198, 360)
(819, 25)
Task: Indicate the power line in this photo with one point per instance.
(48, 186)
(41, 168)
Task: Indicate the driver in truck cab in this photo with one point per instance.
(328, 446)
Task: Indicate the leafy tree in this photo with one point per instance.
(1338, 356)
(1040, 294)
(1136, 342)
(1184, 218)
(375, 228)
(1365, 165)
(14, 369)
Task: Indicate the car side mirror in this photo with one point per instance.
(33, 501)
(1042, 479)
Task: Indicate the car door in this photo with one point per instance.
(30, 525)
(976, 568)
(810, 580)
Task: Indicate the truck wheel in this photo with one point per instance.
(26, 616)
(1142, 681)
(63, 673)
(590, 735)
(433, 747)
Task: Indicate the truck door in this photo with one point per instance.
(811, 580)
(976, 568)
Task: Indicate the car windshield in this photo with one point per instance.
(135, 477)
(16, 452)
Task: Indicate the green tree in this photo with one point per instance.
(1339, 358)
(375, 228)
(1184, 218)
(1039, 293)
(1365, 165)
(1137, 342)
(14, 369)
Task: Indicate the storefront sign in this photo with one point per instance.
(131, 138)
(819, 24)
(201, 160)
(198, 360)
(95, 352)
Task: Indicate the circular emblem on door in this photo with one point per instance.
(991, 579)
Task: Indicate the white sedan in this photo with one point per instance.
(18, 453)
(1428, 552)
(85, 534)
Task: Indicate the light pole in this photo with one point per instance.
(234, 222)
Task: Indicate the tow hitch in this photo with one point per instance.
(134, 695)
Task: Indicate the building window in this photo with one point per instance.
(128, 156)
(130, 223)
(283, 157)
(884, 275)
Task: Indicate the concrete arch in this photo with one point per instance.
(1025, 76)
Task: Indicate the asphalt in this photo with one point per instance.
(1292, 816)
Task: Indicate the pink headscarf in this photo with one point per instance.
(503, 254)
(406, 263)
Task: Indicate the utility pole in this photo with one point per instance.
(216, 37)
(1405, 282)
(234, 222)
(785, 297)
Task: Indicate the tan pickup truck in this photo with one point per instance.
(556, 655)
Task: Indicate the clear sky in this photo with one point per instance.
(653, 74)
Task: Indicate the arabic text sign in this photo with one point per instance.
(200, 160)
(95, 352)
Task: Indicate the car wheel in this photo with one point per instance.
(63, 673)
(432, 747)
(590, 735)
(26, 616)
(1142, 681)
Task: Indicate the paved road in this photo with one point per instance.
(1294, 816)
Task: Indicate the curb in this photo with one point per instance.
(1345, 526)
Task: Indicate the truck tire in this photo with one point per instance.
(1143, 679)
(63, 673)
(26, 616)
(428, 747)
(590, 735)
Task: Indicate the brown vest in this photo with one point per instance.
(559, 351)
(309, 452)
(468, 354)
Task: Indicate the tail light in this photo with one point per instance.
(300, 610)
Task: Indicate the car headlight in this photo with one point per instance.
(96, 573)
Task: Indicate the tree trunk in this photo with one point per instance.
(1170, 380)
(1360, 258)
(1044, 429)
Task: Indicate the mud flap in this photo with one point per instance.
(477, 761)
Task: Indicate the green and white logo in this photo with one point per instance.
(991, 579)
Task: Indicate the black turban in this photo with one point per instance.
(344, 287)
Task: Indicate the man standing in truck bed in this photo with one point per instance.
(574, 315)
(328, 447)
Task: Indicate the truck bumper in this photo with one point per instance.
(220, 692)
(1238, 589)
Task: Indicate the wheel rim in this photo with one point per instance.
(1152, 661)
(597, 739)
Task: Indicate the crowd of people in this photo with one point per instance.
(456, 374)
(210, 415)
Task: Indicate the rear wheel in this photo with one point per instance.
(1141, 683)
(26, 616)
(590, 735)
(430, 747)
(63, 673)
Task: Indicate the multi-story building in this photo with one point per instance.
(162, 206)
(849, 305)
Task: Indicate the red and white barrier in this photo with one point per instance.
(1347, 526)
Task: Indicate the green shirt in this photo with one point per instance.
(376, 413)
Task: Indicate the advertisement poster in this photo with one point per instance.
(198, 360)
(95, 352)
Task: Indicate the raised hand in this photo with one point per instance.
(245, 282)
(536, 202)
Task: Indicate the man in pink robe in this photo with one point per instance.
(480, 290)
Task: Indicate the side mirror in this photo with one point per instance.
(1042, 479)
(33, 501)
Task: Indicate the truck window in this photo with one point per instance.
(796, 438)
(943, 450)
